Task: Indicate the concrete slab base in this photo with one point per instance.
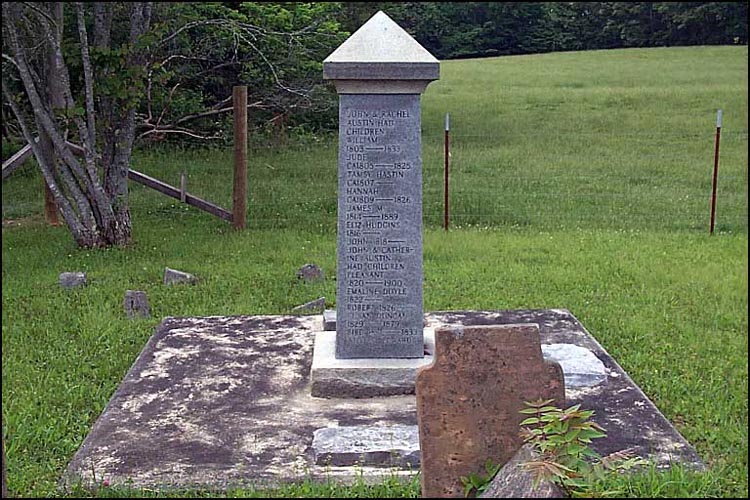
(363, 378)
(219, 402)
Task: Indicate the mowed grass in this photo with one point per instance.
(579, 181)
(614, 139)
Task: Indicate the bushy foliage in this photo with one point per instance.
(196, 52)
(276, 49)
(480, 29)
(562, 439)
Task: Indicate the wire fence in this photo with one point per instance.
(548, 181)
(628, 181)
(624, 181)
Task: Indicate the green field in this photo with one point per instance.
(579, 181)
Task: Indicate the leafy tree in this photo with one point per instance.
(276, 49)
(92, 193)
(480, 29)
(103, 75)
(705, 23)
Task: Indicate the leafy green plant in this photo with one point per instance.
(561, 438)
(480, 482)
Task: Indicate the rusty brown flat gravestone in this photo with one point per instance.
(469, 399)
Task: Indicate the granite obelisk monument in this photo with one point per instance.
(380, 73)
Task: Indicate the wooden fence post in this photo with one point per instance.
(50, 206)
(58, 101)
(239, 193)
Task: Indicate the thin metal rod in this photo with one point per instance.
(447, 168)
(716, 170)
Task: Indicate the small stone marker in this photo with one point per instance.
(380, 73)
(329, 320)
(313, 307)
(580, 366)
(136, 304)
(384, 445)
(310, 273)
(72, 280)
(469, 399)
(174, 277)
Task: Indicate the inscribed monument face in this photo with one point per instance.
(380, 73)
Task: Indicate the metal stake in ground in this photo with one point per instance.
(447, 162)
(716, 169)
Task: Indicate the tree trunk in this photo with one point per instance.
(56, 100)
(92, 194)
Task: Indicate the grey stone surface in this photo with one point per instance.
(136, 304)
(379, 285)
(72, 280)
(221, 401)
(513, 480)
(313, 307)
(355, 378)
(175, 277)
(367, 444)
(381, 50)
(380, 72)
(310, 273)
(329, 320)
(580, 366)
(333, 377)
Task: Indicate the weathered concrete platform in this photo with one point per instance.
(215, 402)
(363, 378)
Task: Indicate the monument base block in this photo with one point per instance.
(363, 377)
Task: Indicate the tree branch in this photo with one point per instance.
(41, 12)
(175, 128)
(204, 114)
(44, 116)
(88, 76)
(180, 130)
(168, 104)
(47, 166)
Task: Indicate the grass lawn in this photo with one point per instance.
(579, 181)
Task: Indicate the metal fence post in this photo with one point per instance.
(716, 170)
(447, 164)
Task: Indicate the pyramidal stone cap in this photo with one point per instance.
(381, 50)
